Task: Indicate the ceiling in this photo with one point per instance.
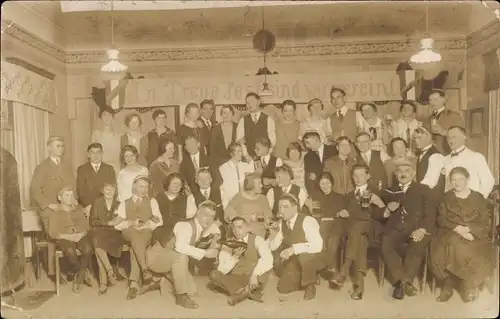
(235, 25)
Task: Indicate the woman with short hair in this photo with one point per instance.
(129, 157)
(164, 165)
(287, 128)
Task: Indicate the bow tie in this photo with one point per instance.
(434, 114)
(403, 186)
(453, 154)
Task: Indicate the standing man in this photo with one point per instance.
(254, 125)
(207, 108)
(343, 120)
(481, 179)
(314, 160)
(373, 159)
(297, 244)
(138, 216)
(243, 272)
(91, 177)
(194, 159)
(411, 218)
(441, 119)
(340, 166)
(49, 178)
(150, 142)
(174, 250)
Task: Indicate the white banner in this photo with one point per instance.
(359, 86)
(21, 85)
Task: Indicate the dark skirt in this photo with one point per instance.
(108, 239)
(471, 261)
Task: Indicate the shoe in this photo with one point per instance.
(156, 285)
(256, 295)
(76, 287)
(445, 294)
(147, 277)
(310, 292)
(132, 293)
(88, 278)
(118, 276)
(238, 297)
(468, 295)
(399, 291)
(357, 293)
(102, 290)
(410, 290)
(338, 279)
(185, 301)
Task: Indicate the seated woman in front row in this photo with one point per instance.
(68, 228)
(461, 250)
(105, 238)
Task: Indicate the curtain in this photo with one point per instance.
(494, 134)
(31, 131)
(492, 71)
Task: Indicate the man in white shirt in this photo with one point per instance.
(481, 179)
(233, 173)
(254, 125)
(172, 255)
(138, 216)
(297, 244)
(243, 271)
(284, 184)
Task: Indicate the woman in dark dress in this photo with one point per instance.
(461, 251)
(162, 167)
(192, 125)
(221, 135)
(172, 202)
(105, 238)
(327, 211)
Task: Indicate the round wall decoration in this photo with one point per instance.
(264, 41)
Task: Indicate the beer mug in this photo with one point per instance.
(364, 201)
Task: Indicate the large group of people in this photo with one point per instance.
(237, 201)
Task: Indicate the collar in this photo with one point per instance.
(343, 110)
(205, 120)
(458, 150)
(55, 159)
(245, 239)
(321, 148)
(361, 188)
(425, 149)
(205, 190)
(256, 114)
(135, 198)
(438, 111)
(194, 155)
(405, 186)
(286, 189)
(96, 164)
(266, 158)
(292, 220)
(368, 153)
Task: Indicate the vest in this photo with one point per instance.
(295, 235)
(192, 241)
(268, 171)
(140, 211)
(376, 168)
(345, 127)
(254, 131)
(214, 196)
(172, 211)
(278, 191)
(247, 262)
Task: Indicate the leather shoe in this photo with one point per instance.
(410, 290)
(399, 291)
(102, 290)
(310, 292)
(338, 279)
(151, 287)
(445, 294)
(238, 297)
(132, 293)
(185, 301)
(256, 295)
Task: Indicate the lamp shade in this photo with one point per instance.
(113, 66)
(426, 54)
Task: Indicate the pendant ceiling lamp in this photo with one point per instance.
(264, 42)
(426, 54)
(113, 66)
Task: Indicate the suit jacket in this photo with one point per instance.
(216, 145)
(313, 167)
(89, 183)
(419, 207)
(47, 181)
(188, 171)
(341, 173)
(357, 213)
(445, 119)
(205, 134)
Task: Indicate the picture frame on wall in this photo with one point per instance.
(477, 125)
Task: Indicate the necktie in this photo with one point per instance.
(263, 161)
(340, 115)
(319, 157)
(238, 176)
(358, 193)
(434, 114)
(289, 224)
(403, 187)
(208, 124)
(255, 119)
(205, 193)
(96, 168)
(58, 161)
(195, 163)
(366, 158)
(408, 136)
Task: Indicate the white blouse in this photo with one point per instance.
(125, 180)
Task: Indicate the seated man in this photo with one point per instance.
(137, 217)
(411, 216)
(298, 245)
(284, 184)
(68, 227)
(265, 162)
(363, 208)
(243, 271)
(172, 252)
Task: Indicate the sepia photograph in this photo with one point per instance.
(250, 159)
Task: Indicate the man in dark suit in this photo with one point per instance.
(340, 166)
(91, 177)
(373, 159)
(192, 162)
(363, 210)
(207, 108)
(411, 216)
(314, 160)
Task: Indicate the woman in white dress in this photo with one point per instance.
(315, 121)
(129, 156)
(109, 139)
(371, 124)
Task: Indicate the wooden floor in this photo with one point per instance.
(377, 303)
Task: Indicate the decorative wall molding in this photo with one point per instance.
(13, 30)
(491, 30)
